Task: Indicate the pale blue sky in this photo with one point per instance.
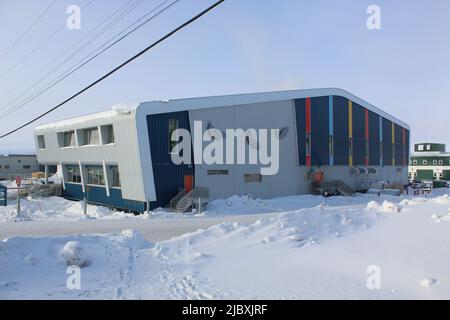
(242, 46)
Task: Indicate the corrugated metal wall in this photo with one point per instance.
(352, 135)
(168, 177)
(374, 139)
(320, 153)
(341, 131)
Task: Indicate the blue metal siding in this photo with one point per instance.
(407, 145)
(387, 142)
(359, 140)
(331, 130)
(320, 131)
(97, 195)
(374, 139)
(300, 111)
(398, 145)
(341, 134)
(168, 177)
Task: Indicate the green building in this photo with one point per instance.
(429, 162)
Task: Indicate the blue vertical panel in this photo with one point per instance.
(398, 144)
(359, 139)
(381, 141)
(300, 111)
(387, 142)
(168, 177)
(407, 146)
(320, 153)
(374, 139)
(331, 131)
(340, 128)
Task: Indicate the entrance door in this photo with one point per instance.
(188, 182)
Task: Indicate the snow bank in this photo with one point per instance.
(36, 267)
(56, 208)
(318, 252)
(385, 207)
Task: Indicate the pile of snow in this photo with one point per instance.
(37, 267)
(237, 205)
(124, 108)
(74, 255)
(385, 207)
(57, 208)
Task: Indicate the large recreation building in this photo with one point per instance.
(122, 158)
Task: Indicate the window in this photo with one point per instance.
(435, 162)
(26, 167)
(428, 147)
(107, 134)
(95, 175)
(6, 166)
(0, 166)
(217, 172)
(173, 125)
(441, 161)
(41, 141)
(424, 162)
(420, 147)
(110, 134)
(73, 174)
(253, 177)
(91, 136)
(115, 176)
(414, 162)
(68, 139)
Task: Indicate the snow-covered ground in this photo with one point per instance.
(56, 208)
(306, 248)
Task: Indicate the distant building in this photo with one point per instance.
(122, 158)
(430, 161)
(14, 165)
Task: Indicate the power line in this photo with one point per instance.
(27, 30)
(168, 35)
(40, 45)
(91, 40)
(83, 61)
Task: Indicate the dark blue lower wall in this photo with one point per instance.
(97, 195)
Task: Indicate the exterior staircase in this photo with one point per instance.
(335, 187)
(185, 200)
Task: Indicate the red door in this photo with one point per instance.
(188, 182)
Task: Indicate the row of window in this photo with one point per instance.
(95, 175)
(6, 167)
(87, 136)
(425, 162)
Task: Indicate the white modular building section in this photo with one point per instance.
(123, 152)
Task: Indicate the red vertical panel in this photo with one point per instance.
(308, 131)
(308, 115)
(366, 127)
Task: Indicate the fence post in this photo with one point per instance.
(85, 205)
(18, 203)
